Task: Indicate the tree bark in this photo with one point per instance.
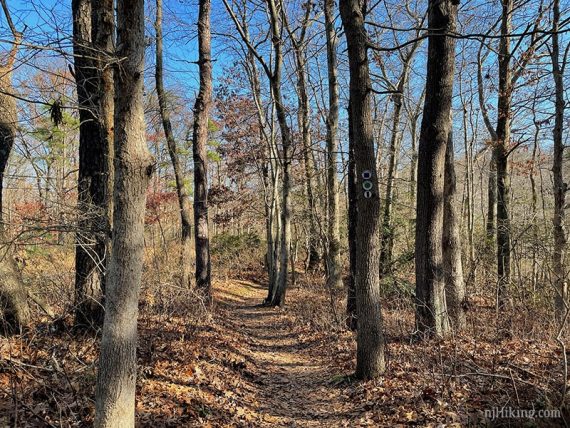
(492, 199)
(470, 192)
(492, 180)
(334, 266)
(560, 240)
(414, 117)
(314, 256)
(14, 309)
(351, 315)
(278, 298)
(183, 203)
(501, 152)
(270, 168)
(370, 360)
(92, 37)
(452, 264)
(431, 311)
(200, 142)
(115, 391)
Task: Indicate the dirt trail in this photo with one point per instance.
(295, 383)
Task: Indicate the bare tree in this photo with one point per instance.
(560, 187)
(510, 69)
(183, 203)
(501, 151)
(334, 266)
(13, 294)
(299, 43)
(431, 311)
(351, 311)
(370, 361)
(452, 264)
(115, 391)
(199, 148)
(93, 23)
(276, 296)
(406, 57)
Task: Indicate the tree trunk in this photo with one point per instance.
(115, 391)
(492, 180)
(278, 298)
(351, 315)
(334, 265)
(469, 199)
(14, 309)
(452, 264)
(200, 142)
(305, 125)
(558, 262)
(183, 203)
(492, 199)
(270, 173)
(387, 232)
(431, 311)
(370, 362)
(93, 24)
(534, 208)
(414, 156)
(501, 151)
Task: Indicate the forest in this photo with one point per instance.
(284, 213)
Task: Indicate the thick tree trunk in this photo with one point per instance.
(370, 361)
(452, 264)
(560, 244)
(14, 310)
(334, 266)
(115, 392)
(92, 37)
(183, 203)
(431, 311)
(501, 151)
(200, 142)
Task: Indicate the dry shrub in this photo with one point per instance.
(318, 306)
(237, 256)
(162, 295)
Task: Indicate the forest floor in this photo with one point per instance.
(250, 366)
(296, 381)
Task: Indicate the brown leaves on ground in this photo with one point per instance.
(252, 366)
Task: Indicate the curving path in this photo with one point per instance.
(294, 381)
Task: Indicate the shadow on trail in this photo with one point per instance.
(294, 380)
